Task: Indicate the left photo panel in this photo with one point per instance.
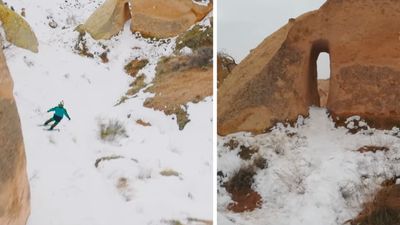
(106, 112)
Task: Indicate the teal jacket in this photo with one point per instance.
(59, 111)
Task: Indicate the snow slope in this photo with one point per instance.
(66, 187)
(314, 175)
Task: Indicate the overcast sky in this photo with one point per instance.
(242, 25)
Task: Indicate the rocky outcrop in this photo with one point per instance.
(108, 20)
(14, 187)
(277, 81)
(152, 18)
(225, 65)
(165, 18)
(179, 80)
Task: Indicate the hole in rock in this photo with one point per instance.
(320, 72)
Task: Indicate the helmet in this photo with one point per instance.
(61, 104)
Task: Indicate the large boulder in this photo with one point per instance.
(277, 81)
(14, 186)
(152, 18)
(108, 20)
(165, 18)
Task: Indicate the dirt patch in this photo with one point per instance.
(240, 188)
(180, 80)
(104, 57)
(137, 85)
(245, 202)
(133, 67)
(143, 123)
(372, 148)
(384, 209)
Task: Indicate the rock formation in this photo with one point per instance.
(225, 65)
(14, 187)
(107, 20)
(165, 18)
(277, 81)
(154, 18)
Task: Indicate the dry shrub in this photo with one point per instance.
(372, 148)
(260, 162)
(136, 85)
(384, 209)
(169, 173)
(200, 58)
(246, 153)
(240, 187)
(111, 130)
(231, 144)
(81, 46)
(107, 158)
(225, 65)
(195, 38)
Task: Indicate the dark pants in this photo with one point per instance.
(56, 120)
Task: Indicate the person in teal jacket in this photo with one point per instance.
(59, 112)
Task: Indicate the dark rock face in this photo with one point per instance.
(277, 81)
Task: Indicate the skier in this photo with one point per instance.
(59, 112)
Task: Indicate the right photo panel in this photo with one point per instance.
(308, 112)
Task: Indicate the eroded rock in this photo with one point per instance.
(165, 18)
(14, 186)
(277, 81)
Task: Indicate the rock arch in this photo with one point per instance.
(275, 82)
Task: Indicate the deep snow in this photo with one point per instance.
(315, 177)
(66, 187)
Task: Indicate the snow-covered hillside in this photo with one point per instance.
(78, 179)
(314, 173)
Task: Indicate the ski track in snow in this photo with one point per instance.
(66, 187)
(306, 183)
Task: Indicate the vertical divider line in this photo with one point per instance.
(215, 102)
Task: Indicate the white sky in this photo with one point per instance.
(242, 25)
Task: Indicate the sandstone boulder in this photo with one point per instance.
(17, 30)
(153, 18)
(108, 20)
(14, 187)
(277, 81)
(165, 18)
